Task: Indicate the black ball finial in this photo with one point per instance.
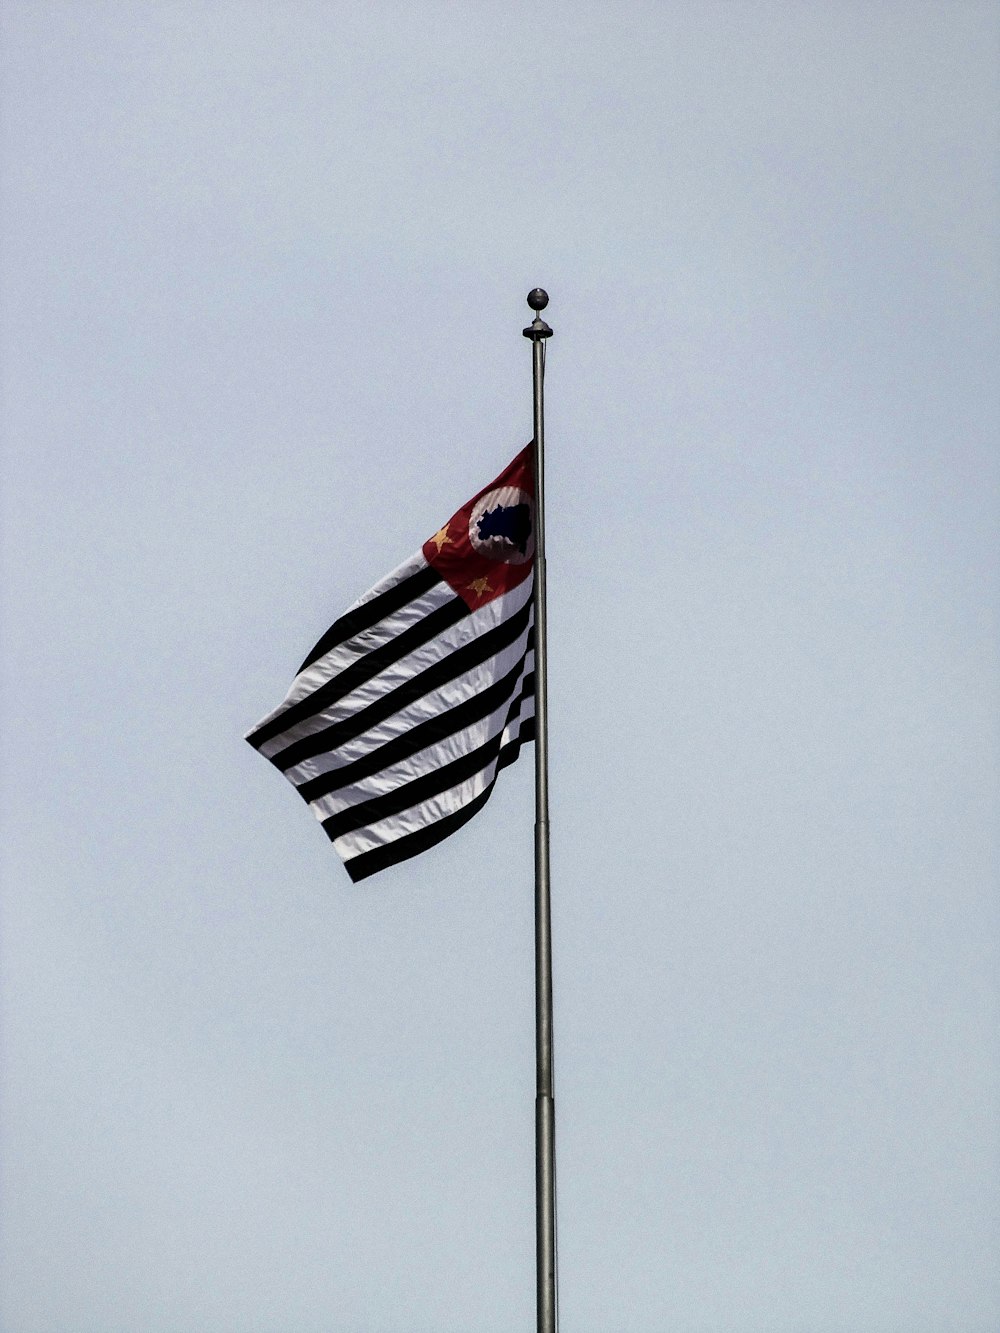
(538, 328)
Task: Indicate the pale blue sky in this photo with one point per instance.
(263, 279)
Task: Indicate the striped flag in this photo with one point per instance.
(401, 717)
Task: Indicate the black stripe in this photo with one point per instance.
(362, 670)
(371, 612)
(419, 737)
(379, 858)
(428, 785)
(454, 663)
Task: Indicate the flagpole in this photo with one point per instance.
(545, 1114)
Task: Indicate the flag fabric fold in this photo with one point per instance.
(402, 716)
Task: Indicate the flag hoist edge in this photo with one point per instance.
(401, 717)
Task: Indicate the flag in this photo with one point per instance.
(401, 717)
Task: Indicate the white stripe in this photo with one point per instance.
(446, 696)
(514, 726)
(344, 654)
(405, 668)
(412, 565)
(446, 803)
(348, 652)
(424, 761)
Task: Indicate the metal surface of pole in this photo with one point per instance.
(545, 1115)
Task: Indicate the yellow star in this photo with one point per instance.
(480, 587)
(441, 537)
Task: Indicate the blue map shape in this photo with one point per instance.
(511, 522)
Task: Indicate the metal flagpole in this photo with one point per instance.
(545, 1111)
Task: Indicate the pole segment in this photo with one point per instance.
(545, 1114)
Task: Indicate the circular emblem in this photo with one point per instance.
(501, 526)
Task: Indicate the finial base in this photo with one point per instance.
(537, 329)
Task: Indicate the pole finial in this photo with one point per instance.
(538, 299)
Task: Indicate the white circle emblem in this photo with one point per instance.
(502, 527)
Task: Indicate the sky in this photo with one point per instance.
(263, 270)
